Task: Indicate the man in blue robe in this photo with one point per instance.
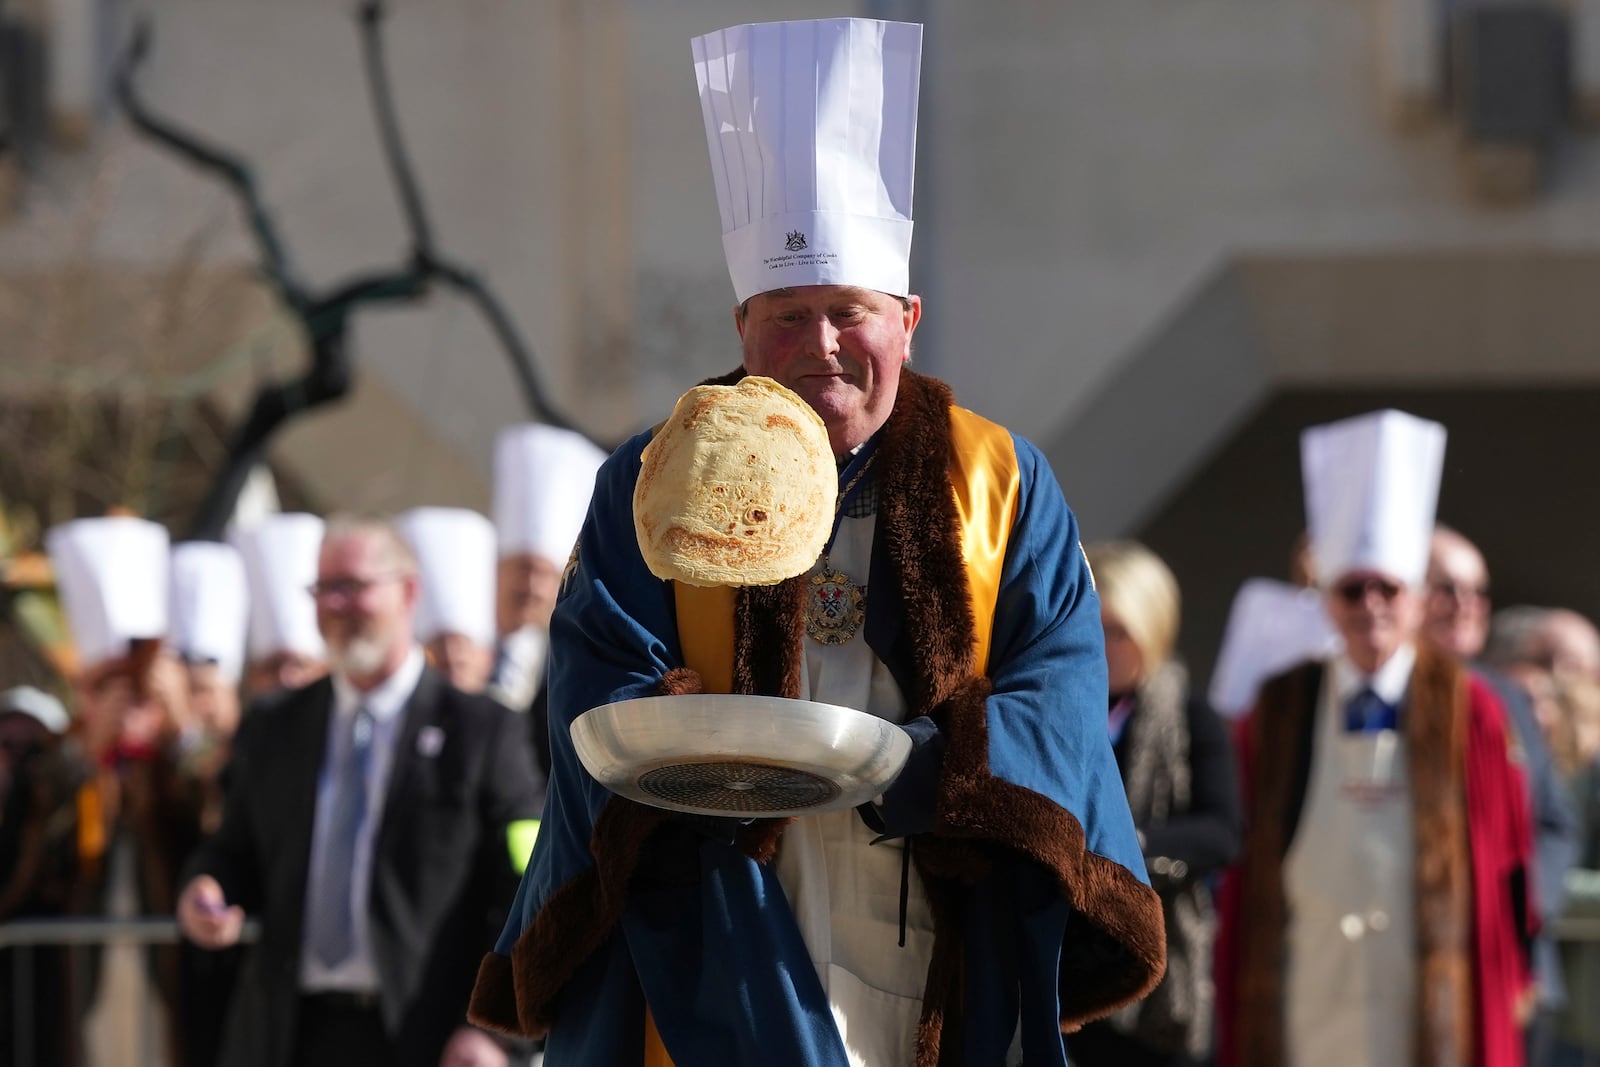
(640, 936)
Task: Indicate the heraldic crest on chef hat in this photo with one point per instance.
(543, 479)
(111, 578)
(812, 129)
(280, 563)
(210, 605)
(1272, 626)
(455, 550)
(1372, 485)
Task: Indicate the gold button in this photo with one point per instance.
(1378, 920)
(1352, 927)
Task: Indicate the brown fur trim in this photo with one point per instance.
(1281, 733)
(1279, 730)
(494, 997)
(921, 534)
(1120, 952)
(680, 681)
(769, 622)
(1436, 757)
(759, 840)
(579, 916)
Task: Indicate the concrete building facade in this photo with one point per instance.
(1156, 238)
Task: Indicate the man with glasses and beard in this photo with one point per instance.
(1379, 912)
(376, 821)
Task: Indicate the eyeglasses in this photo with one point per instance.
(1355, 590)
(346, 588)
(1459, 591)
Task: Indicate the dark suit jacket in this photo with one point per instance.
(442, 876)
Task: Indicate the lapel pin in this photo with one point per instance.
(430, 741)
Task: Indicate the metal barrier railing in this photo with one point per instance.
(22, 936)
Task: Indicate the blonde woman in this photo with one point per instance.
(1177, 766)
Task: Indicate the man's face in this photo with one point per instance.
(838, 346)
(525, 592)
(464, 663)
(1569, 644)
(213, 700)
(1375, 614)
(364, 604)
(113, 711)
(1456, 604)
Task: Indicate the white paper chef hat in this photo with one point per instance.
(812, 128)
(543, 479)
(1271, 627)
(1372, 484)
(455, 550)
(280, 563)
(111, 578)
(210, 605)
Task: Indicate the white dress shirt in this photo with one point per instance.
(386, 703)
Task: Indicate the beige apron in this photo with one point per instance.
(1349, 883)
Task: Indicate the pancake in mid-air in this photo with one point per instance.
(737, 488)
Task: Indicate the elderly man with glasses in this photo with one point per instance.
(1379, 913)
(377, 821)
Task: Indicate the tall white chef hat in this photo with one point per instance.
(543, 479)
(455, 550)
(210, 605)
(812, 128)
(280, 563)
(1271, 627)
(1372, 484)
(111, 577)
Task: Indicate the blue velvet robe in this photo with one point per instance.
(706, 935)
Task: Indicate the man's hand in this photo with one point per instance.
(471, 1047)
(205, 917)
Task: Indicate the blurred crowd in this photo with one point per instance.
(171, 772)
(109, 787)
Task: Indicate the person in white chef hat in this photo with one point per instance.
(111, 580)
(997, 894)
(543, 478)
(131, 697)
(210, 615)
(455, 618)
(1374, 916)
(285, 649)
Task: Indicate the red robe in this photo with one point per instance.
(1474, 847)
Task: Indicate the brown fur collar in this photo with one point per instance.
(1118, 953)
(1280, 741)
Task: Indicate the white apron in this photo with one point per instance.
(1348, 879)
(845, 892)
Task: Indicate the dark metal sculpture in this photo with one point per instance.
(326, 316)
